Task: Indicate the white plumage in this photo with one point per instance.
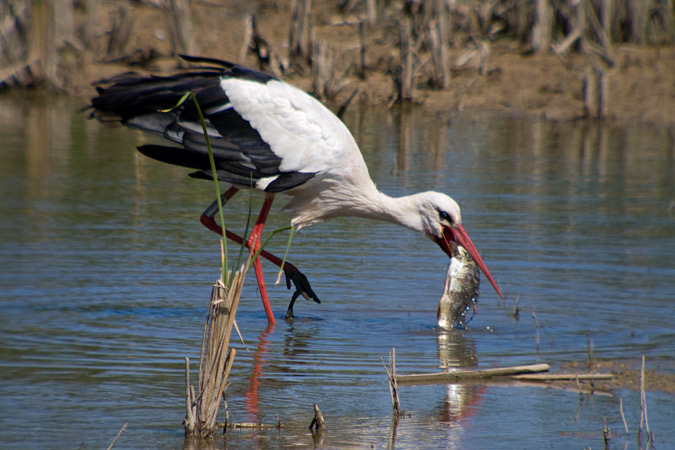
(298, 128)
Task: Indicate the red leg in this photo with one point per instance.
(209, 222)
(207, 218)
(254, 240)
(293, 275)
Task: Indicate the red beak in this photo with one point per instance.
(458, 235)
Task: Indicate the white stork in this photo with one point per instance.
(268, 135)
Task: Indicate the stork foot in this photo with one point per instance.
(300, 281)
(302, 287)
(289, 312)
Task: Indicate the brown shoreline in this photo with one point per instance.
(519, 86)
(626, 375)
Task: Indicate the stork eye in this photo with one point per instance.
(444, 216)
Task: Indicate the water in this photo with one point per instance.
(105, 274)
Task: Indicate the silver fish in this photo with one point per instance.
(460, 292)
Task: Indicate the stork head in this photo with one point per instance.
(443, 225)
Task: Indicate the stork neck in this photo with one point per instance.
(402, 211)
(337, 200)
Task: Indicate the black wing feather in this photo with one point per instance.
(149, 103)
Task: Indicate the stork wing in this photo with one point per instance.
(264, 133)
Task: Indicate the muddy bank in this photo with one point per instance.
(626, 375)
(640, 90)
(493, 74)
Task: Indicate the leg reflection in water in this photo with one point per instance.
(251, 393)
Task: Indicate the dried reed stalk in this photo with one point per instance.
(439, 44)
(406, 85)
(393, 384)
(300, 40)
(318, 421)
(254, 43)
(623, 417)
(542, 30)
(119, 433)
(536, 322)
(327, 77)
(216, 357)
(643, 410)
(178, 16)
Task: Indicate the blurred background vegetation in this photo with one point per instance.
(409, 46)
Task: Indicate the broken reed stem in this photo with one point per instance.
(644, 394)
(589, 349)
(190, 403)
(216, 357)
(606, 433)
(536, 322)
(241, 338)
(516, 311)
(393, 385)
(643, 410)
(119, 433)
(623, 417)
(317, 422)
